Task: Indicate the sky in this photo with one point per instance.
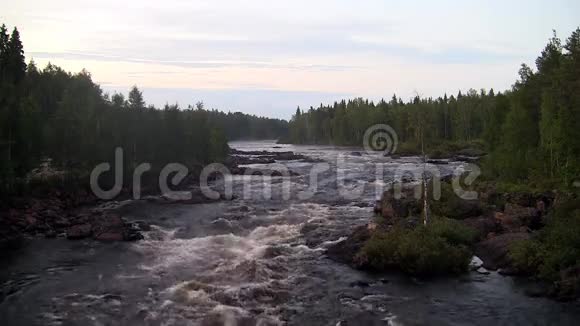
(266, 57)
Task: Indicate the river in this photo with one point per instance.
(255, 261)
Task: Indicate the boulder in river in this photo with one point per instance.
(568, 287)
(109, 236)
(483, 225)
(494, 252)
(346, 251)
(79, 231)
(111, 227)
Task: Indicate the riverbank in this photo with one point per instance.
(501, 225)
(74, 212)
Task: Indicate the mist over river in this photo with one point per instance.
(255, 261)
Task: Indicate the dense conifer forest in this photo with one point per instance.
(52, 114)
(531, 131)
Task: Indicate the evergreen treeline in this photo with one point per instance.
(531, 131)
(64, 117)
(238, 126)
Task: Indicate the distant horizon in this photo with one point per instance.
(267, 58)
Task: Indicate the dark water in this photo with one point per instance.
(253, 261)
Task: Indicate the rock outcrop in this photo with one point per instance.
(494, 252)
(346, 251)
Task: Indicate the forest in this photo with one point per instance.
(51, 114)
(531, 131)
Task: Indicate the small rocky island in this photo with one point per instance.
(496, 232)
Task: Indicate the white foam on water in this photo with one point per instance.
(392, 320)
(333, 242)
(158, 233)
(231, 273)
(111, 205)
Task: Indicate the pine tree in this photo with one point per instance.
(135, 99)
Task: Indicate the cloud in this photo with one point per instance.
(346, 47)
(187, 64)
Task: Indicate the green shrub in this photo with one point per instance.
(380, 251)
(439, 248)
(556, 248)
(454, 232)
(408, 149)
(452, 206)
(527, 256)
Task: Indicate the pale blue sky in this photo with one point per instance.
(266, 57)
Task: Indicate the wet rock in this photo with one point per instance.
(355, 153)
(467, 159)
(438, 162)
(317, 237)
(275, 251)
(521, 199)
(494, 251)
(514, 217)
(238, 157)
(447, 178)
(484, 225)
(50, 214)
(394, 208)
(472, 152)
(362, 204)
(347, 250)
(360, 284)
(412, 222)
(50, 234)
(465, 208)
(475, 263)
(30, 220)
(107, 221)
(240, 160)
(568, 287)
(483, 271)
(111, 227)
(141, 226)
(110, 236)
(132, 235)
(61, 222)
(80, 231)
(262, 172)
(377, 208)
(309, 227)
(224, 225)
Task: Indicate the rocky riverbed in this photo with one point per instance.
(75, 213)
